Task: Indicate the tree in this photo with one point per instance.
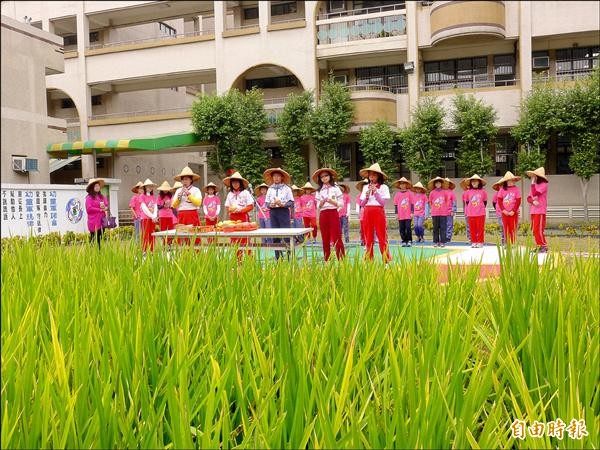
(422, 141)
(580, 120)
(475, 122)
(329, 123)
(376, 142)
(292, 130)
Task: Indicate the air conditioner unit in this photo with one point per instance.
(541, 62)
(19, 164)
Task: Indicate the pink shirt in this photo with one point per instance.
(309, 205)
(361, 210)
(451, 196)
(403, 201)
(263, 212)
(165, 211)
(419, 201)
(438, 202)
(509, 198)
(475, 207)
(150, 202)
(94, 213)
(538, 192)
(298, 213)
(134, 203)
(344, 210)
(495, 200)
(211, 204)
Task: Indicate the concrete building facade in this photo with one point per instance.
(133, 68)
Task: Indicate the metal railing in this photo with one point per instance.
(151, 39)
(139, 113)
(565, 75)
(274, 20)
(275, 101)
(361, 29)
(241, 27)
(378, 87)
(355, 12)
(469, 83)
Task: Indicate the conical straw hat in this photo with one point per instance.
(187, 172)
(402, 180)
(165, 187)
(374, 168)
(235, 176)
(540, 172)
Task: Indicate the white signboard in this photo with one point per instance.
(34, 209)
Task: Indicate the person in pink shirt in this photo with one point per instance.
(96, 207)
(329, 200)
(451, 211)
(404, 203)
(166, 218)
(438, 206)
(149, 215)
(296, 211)
(476, 203)
(509, 197)
(262, 211)
(211, 206)
(134, 206)
(309, 209)
(538, 199)
(419, 206)
(498, 214)
(344, 211)
(360, 210)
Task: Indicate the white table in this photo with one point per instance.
(261, 233)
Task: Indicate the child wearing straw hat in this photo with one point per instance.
(96, 207)
(134, 206)
(359, 209)
(509, 197)
(166, 218)
(309, 208)
(149, 215)
(329, 199)
(211, 206)
(373, 198)
(438, 206)
(419, 210)
(476, 203)
(297, 209)
(263, 212)
(404, 203)
(239, 203)
(344, 211)
(538, 199)
(451, 211)
(280, 200)
(188, 198)
(496, 205)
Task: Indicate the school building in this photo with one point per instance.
(133, 68)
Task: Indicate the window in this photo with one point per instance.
(251, 13)
(506, 154)
(393, 77)
(166, 29)
(465, 73)
(274, 152)
(94, 36)
(345, 153)
(283, 8)
(67, 103)
(571, 62)
(272, 83)
(563, 155)
(360, 4)
(335, 5)
(504, 70)
(449, 157)
(70, 40)
(96, 100)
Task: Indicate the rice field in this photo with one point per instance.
(102, 350)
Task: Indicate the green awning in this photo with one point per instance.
(152, 144)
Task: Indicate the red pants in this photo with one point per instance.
(148, 227)
(510, 227)
(362, 233)
(331, 232)
(477, 229)
(244, 217)
(311, 222)
(188, 217)
(538, 225)
(374, 222)
(166, 223)
(209, 222)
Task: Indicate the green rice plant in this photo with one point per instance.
(105, 349)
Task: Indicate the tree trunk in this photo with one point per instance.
(584, 190)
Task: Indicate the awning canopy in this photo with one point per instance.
(149, 144)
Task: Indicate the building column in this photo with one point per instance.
(264, 15)
(412, 53)
(524, 60)
(220, 22)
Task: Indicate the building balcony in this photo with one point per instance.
(562, 76)
(474, 82)
(451, 19)
(373, 102)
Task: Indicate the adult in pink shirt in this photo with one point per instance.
(509, 197)
(96, 207)
(134, 207)
(404, 203)
(438, 206)
(476, 202)
(309, 208)
(538, 200)
(343, 211)
(419, 205)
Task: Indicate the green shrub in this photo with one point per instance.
(524, 228)
(492, 228)
(460, 227)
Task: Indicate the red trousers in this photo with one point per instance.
(188, 217)
(510, 227)
(244, 217)
(374, 222)
(148, 228)
(331, 232)
(538, 225)
(311, 222)
(477, 229)
(362, 233)
(166, 223)
(209, 222)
